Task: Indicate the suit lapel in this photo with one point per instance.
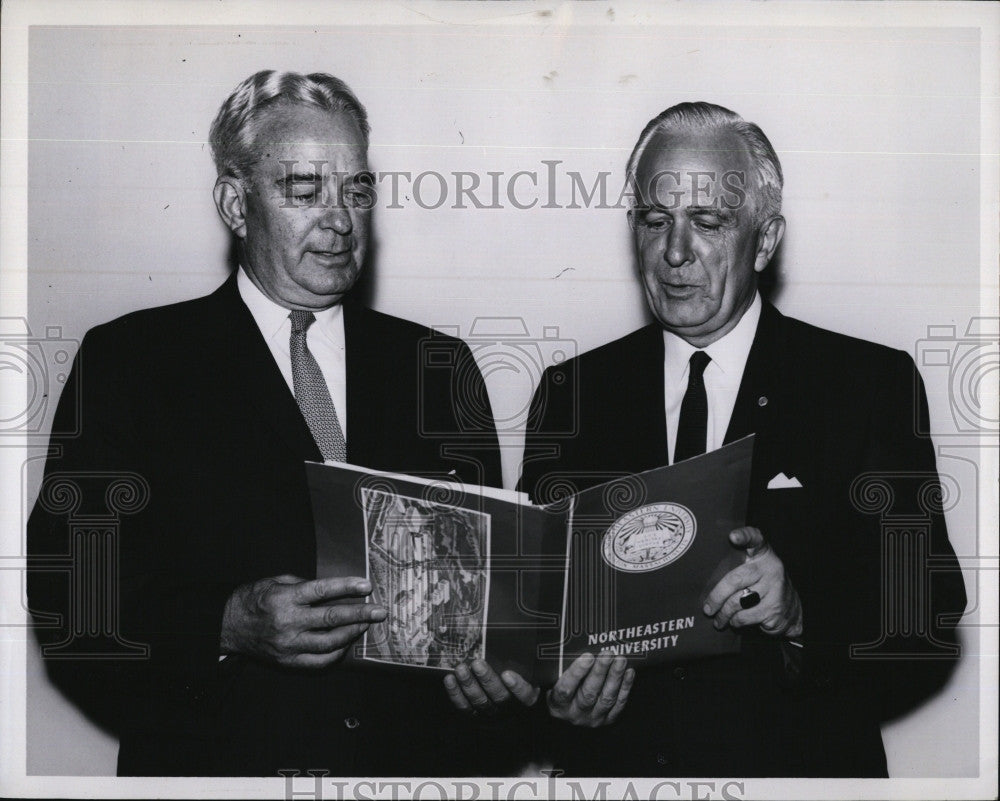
(645, 441)
(760, 404)
(768, 405)
(759, 389)
(248, 372)
(366, 386)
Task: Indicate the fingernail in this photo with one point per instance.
(588, 658)
(620, 662)
(364, 586)
(478, 668)
(707, 609)
(462, 671)
(449, 682)
(507, 678)
(378, 613)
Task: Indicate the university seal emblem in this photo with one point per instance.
(649, 537)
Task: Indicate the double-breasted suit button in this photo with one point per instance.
(352, 723)
(680, 673)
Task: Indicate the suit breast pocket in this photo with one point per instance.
(785, 512)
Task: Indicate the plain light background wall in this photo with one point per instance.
(878, 130)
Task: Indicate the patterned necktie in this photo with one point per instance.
(692, 427)
(311, 392)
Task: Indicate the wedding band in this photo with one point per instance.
(749, 598)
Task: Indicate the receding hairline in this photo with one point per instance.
(696, 143)
(703, 137)
(267, 117)
(702, 122)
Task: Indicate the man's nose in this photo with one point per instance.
(678, 251)
(338, 218)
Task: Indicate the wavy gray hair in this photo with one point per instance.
(233, 132)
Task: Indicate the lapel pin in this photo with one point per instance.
(762, 400)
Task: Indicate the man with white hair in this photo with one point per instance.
(844, 622)
(214, 405)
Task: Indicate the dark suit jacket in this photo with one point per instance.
(189, 400)
(828, 410)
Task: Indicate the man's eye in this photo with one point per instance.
(355, 199)
(304, 194)
(655, 223)
(708, 225)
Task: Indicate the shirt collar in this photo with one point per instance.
(729, 354)
(272, 318)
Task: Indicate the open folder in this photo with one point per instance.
(474, 572)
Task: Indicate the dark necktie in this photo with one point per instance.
(692, 427)
(311, 392)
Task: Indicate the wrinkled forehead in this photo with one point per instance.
(300, 133)
(694, 169)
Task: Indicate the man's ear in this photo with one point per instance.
(230, 201)
(767, 241)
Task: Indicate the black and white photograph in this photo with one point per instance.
(512, 249)
(429, 566)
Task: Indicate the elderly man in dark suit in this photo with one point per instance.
(844, 621)
(210, 408)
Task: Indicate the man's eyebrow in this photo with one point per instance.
(725, 214)
(313, 178)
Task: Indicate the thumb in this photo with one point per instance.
(521, 689)
(748, 539)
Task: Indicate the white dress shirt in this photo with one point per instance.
(722, 376)
(325, 339)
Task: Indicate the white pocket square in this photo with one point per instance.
(781, 481)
